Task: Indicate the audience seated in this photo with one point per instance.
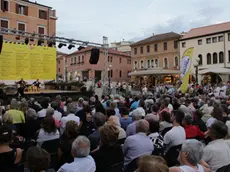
(125, 119)
(57, 115)
(48, 131)
(136, 116)
(191, 131)
(109, 152)
(190, 158)
(16, 115)
(150, 163)
(217, 152)
(71, 110)
(8, 157)
(199, 122)
(99, 120)
(38, 160)
(138, 144)
(165, 121)
(83, 162)
(114, 120)
(44, 104)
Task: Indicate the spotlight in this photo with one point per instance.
(71, 46)
(51, 43)
(61, 45)
(80, 48)
(26, 41)
(40, 42)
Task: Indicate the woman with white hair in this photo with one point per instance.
(190, 158)
(114, 120)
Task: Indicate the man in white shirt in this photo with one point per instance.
(217, 91)
(83, 162)
(45, 105)
(57, 115)
(72, 109)
(176, 136)
(217, 152)
(223, 90)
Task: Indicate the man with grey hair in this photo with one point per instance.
(136, 116)
(82, 160)
(138, 144)
(71, 110)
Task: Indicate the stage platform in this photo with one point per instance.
(47, 93)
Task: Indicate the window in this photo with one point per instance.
(148, 63)
(214, 58)
(120, 73)
(75, 60)
(58, 61)
(4, 24)
(59, 70)
(120, 60)
(220, 38)
(201, 60)
(148, 48)
(229, 56)
(228, 36)
(22, 27)
(209, 58)
(155, 47)
(200, 42)
(175, 44)
(135, 65)
(208, 40)
(221, 57)
(176, 62)
(79, 59)
(4, 5)
(20, 9)
(110, 73)
(156, 62)
(42, 14)
(41, 30)
(214, 39)
(152, 62)
(142, 64)
(82, 59)
(135, 50)
(165, 63)
(141, 50)
(128, 61)
(183, 44)
(165, 46)
(108, 58)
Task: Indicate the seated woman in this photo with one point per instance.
(8, 157)
(114, 120)
(109, 153)
(190, 157)
(70, 134)
(48, 131)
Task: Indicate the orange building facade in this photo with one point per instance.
(27, 16)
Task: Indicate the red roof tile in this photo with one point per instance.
(207, 30)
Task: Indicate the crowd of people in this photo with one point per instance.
(161, 132)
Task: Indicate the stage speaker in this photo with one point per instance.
(1, 42)
(95, 53)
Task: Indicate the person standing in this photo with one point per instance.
(21, 87)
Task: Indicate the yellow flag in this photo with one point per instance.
(186, 63)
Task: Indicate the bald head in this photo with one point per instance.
(142, 126)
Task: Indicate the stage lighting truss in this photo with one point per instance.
(52, 40)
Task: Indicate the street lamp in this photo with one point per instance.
(109, 69)
(196, 64)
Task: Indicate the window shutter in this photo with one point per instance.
(2, 5)
(17, 8)
(26, 10)
(45, 17)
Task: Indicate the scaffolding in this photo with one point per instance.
(22, 35)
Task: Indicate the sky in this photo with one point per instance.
(133, 20)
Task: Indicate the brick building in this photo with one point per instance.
(27, 16)
(61, 63)
(156, 59)
(78, 66)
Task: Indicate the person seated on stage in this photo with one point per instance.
(37, 83)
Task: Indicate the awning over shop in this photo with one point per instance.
(154, 72)
(215, 70)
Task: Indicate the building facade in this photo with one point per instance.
(61, 65)
(156, 59)
(79, 68)
(212, 51)
(123, 46)
(27, 16)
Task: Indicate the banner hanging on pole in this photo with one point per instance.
(186, 63)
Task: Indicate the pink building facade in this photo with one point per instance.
(79, 68)
(61, 61)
